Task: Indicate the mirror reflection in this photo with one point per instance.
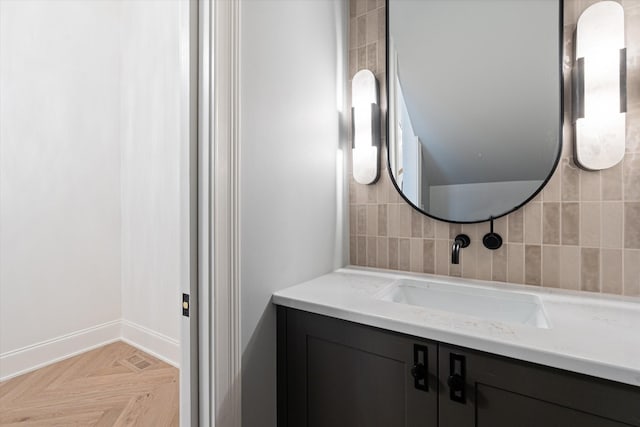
(474, 103)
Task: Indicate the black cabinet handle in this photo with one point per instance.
(457, 378)
(455, 382)
(420, 369)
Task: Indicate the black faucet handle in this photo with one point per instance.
(492, 240)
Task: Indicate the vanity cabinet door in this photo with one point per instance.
(333, 373)
(478, 389)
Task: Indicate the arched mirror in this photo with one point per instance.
(475, 103)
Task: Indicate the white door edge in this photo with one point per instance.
(188, 57)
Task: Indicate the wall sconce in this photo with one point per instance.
(365, 122)
(600, 87)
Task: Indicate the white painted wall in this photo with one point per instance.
(90, 176)
(504, 85)
(292, 87)
(59, 169)
(481, 199)
(151, 175)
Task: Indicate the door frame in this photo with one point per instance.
(218, 142)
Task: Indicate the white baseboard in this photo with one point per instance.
(156, 344)
(26, 359)
(32, 357)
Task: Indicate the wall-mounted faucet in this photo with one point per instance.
(461, 241)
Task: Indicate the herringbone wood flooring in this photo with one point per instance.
(114, 385)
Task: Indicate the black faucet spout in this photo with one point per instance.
(461, 241)
(455, 252)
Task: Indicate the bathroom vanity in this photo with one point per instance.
(371, 348)
(474, 125)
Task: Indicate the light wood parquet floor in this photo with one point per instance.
(114, 385)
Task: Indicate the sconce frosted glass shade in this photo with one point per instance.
(600, 86)
(365, 120)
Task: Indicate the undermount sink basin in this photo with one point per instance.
(488, 304)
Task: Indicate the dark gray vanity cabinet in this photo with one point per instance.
(503, 392)
(334, 373)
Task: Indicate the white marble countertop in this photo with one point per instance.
(592, 334)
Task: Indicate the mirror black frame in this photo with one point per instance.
(560, 136)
